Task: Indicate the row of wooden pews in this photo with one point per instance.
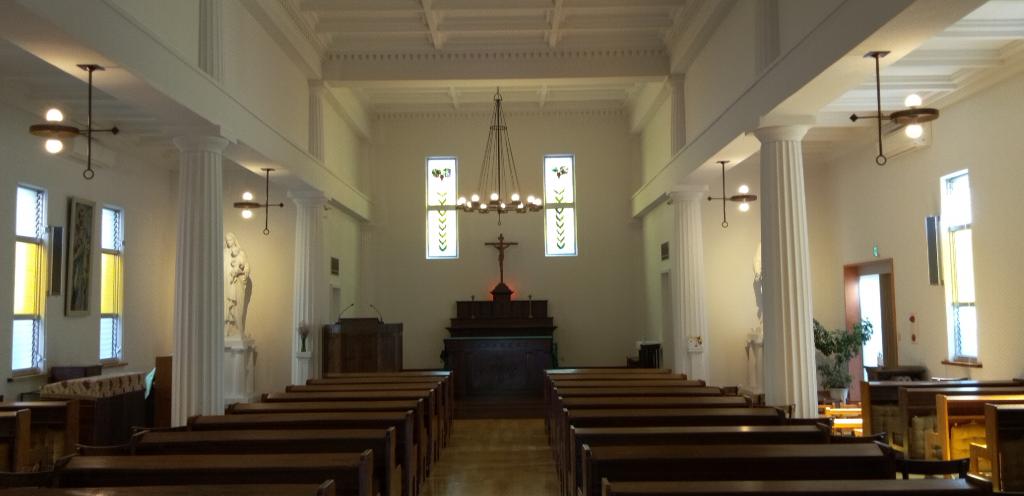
(368, 434)
(645, 432)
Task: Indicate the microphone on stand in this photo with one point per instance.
(345, 310)
(379, 317)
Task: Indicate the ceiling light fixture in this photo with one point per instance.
(248, 204)
(57, 133)
(498, 174)
(910, 118)
(744, 198)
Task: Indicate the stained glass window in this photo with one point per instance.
(29, 271)
(442, 218)
(111, 283)
(560, 205)
(958, 267)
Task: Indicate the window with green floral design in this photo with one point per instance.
(560, 206)
(442, 218)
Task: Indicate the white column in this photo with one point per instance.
(678, 123)
(789, 368)
(310, 300)
(691, 346)
(211, 53)
(198, 386)
(316, 120)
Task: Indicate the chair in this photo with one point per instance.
(959, 467)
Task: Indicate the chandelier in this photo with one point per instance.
(498, 177)
(249, 203)
(744, 198)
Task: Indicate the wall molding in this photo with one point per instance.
(475, 114)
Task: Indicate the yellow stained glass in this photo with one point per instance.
(27, 278)
(110, 292)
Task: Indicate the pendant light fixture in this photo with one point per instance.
(248, 205)
(499, 180)
(57, 133)
(744, 198)
(910, 118)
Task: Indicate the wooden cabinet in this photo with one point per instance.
(362, 345)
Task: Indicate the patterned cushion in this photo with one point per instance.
(103, 386)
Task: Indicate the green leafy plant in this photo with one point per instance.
(839, 346)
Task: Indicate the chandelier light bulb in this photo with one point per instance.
(521, 206)
(515, 197)
(913, 131)
(54, 115)
(461, 201)
(494, 197)
(502, 204)
(475, 198)
(247, 214)
(912, 100)
(744, 189)
(483, 206)
(744, 207)
(247, 196)
(53, 146)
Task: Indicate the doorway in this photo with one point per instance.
(870, 296)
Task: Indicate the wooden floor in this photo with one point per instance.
(495, 457)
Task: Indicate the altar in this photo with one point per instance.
(500, 348)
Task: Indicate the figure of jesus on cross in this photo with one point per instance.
(501, 246)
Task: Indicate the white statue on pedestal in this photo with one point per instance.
(755, 338)
(239, 349)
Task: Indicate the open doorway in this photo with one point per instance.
(870, 296)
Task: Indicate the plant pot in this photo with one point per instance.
(838, 394)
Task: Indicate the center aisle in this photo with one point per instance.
(495, 457)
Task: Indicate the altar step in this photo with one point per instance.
(495, 407)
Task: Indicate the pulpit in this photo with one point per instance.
(362, 345)
(500, 348)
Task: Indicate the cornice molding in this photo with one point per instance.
(304, 25)
(476, 114)
(491, 55)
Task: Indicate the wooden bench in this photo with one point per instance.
(728, 461)
(699, 435)
(914, 487)
(325, 489)
(352, 473)
(406, 446)
(914, 402)
(387, 468)
(54, 428)
(554, 411)
(15, 439)
(450, 383)
(606, 370)
(1004, 440)
(953, 411)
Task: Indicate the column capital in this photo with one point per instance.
(215, 144)
(677, 77)
(791, 132)
(317, 87)
(308, 197)
(687, 192)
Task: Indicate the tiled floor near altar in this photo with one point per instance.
(495, 457)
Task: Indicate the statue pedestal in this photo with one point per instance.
(239, 370)
(755, 360)
(301, 372)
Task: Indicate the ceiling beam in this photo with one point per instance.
(951, 58)
(556, 20)
(431, 18)
(985, 29)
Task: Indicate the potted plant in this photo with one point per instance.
(839, 346)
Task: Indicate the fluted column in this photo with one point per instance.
(691, 343)
(678, 123)
(309, 304)
(316, 120)
(198, 383)
(211, 51)
(789, 368)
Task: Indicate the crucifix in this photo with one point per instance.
(501, 246)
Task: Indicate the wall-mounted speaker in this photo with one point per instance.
(932, 229)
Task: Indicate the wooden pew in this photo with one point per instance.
(1004, 439)
(879, 400)
(407, 447)
(606, 370)
(352, 473)
(700, 435)
(15, 437)
(920, 402)
(417, 406)
(387, 468)
(728, 461)
(325, 489)
(54, 426)
(913, 487)
(952, 411)
(629, 383)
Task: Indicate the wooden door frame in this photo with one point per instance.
(851, 281)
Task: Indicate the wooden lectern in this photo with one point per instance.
(362, 345)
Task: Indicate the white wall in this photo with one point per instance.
(175, 24)
(595, 298)
(888, 205)
(145, 190)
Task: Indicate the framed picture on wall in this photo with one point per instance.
(81, 215)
